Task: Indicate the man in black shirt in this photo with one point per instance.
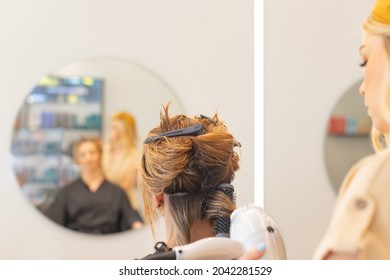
(92, 204)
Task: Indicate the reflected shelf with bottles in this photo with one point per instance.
(58, 112)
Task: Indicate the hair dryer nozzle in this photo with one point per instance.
(251, 225)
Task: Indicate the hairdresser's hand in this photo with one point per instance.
(254, 253)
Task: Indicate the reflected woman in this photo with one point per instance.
(121, 157)
(91, 204)
(360, 226)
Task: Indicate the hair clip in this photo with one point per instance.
(192, 130)
(237, 144)
(208, 118)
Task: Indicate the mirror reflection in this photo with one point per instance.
(121, 156)
(348, 135)
(76, 138)
(91, 203)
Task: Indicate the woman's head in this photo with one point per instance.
(187, 171)
(375, 52)
(123, 129)
(87, 153)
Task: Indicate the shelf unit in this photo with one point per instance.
(349, 126)
(58, 112)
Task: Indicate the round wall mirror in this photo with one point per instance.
(347, 138)
(77, 101)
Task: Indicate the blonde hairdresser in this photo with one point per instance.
(360, 226)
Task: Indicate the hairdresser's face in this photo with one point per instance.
(88, 157)
(375, 61)
(116, 129)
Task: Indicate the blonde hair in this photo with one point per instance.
(188, 169)
(380, 140)
(129, 139)
(118, 168)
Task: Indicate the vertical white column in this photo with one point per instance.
(259, 101)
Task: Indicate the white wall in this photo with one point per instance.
(311, 58)
(203, 49)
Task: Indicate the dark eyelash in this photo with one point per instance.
(363, 63)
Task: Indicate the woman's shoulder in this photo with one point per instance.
(113, 187)
(76, 183)
(69, 189)
(377, 158)
(367, 171)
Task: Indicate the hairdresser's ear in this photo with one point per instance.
(158, 200)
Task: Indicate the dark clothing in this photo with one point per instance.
(107, 210)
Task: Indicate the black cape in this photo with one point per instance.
(107, 210)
